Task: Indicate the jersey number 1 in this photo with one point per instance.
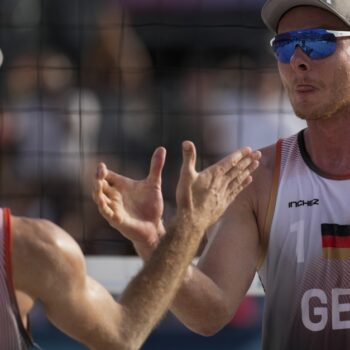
(299, 228)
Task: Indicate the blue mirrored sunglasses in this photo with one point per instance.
(316, 43)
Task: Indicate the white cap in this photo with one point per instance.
(273, 10)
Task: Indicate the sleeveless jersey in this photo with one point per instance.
(306, 270)
(13, 336)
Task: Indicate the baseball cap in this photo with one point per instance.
(273, 10)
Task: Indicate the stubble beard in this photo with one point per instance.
(338, 102)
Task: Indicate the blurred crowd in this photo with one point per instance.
(81, 83)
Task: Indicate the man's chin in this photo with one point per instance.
(323, 113)
(310, 115)
(310, 111)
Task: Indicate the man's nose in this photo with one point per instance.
(300, 61)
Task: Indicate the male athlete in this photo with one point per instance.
(39, 261)
(293, 224)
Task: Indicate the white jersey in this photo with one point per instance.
(13, 336)
(306, 270)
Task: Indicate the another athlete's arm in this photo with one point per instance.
(49, 265)
(212, 292)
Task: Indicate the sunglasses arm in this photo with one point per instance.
(339, 34)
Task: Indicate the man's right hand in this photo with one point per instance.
(203, 197)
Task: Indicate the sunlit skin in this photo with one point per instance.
(319, 90)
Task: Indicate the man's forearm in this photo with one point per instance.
(195, 293)
(195, 301)
(152, 290)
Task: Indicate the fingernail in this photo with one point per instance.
(186, 146)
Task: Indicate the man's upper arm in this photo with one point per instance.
(54, 273)
(231, 256)
(233, 252)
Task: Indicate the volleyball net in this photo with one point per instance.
(83, 82)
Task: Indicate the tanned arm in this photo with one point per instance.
(49, 265)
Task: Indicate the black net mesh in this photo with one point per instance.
(89, 81)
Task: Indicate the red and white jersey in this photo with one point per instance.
(13, 336)
(306, 269)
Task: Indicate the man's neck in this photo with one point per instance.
(328, 144)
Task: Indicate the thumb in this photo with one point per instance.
(189, 157)
(187, 173)
(101, 171)
(157, 165)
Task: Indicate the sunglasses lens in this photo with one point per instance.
(284, 49)
(319, 48)
(317, 44)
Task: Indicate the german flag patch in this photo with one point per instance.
(336, 241)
